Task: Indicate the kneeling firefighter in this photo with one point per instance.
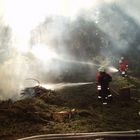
(103, 80)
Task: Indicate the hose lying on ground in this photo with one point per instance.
(107, 135)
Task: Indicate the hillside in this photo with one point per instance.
(32, 116)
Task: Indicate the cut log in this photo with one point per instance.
(63, 115)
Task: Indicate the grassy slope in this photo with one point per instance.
(34, 116)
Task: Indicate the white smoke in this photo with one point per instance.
(20, 59)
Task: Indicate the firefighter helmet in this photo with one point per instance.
(101, 69)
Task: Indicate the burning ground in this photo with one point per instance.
(35, 115)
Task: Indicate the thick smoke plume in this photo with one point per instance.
(62, 41)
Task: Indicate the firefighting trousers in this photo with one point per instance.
(104, 93)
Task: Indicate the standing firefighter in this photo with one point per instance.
(103, 80)
(123, 67)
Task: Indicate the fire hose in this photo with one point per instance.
(117, 135)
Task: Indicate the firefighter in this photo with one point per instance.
(123, 67)
(103, 80)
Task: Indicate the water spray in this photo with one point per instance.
(80, 62)
(63, 85)
(45, 54)
(59, 85)
(112, 69)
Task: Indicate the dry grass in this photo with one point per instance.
(32, 116)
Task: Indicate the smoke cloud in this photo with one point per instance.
(63, 40)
